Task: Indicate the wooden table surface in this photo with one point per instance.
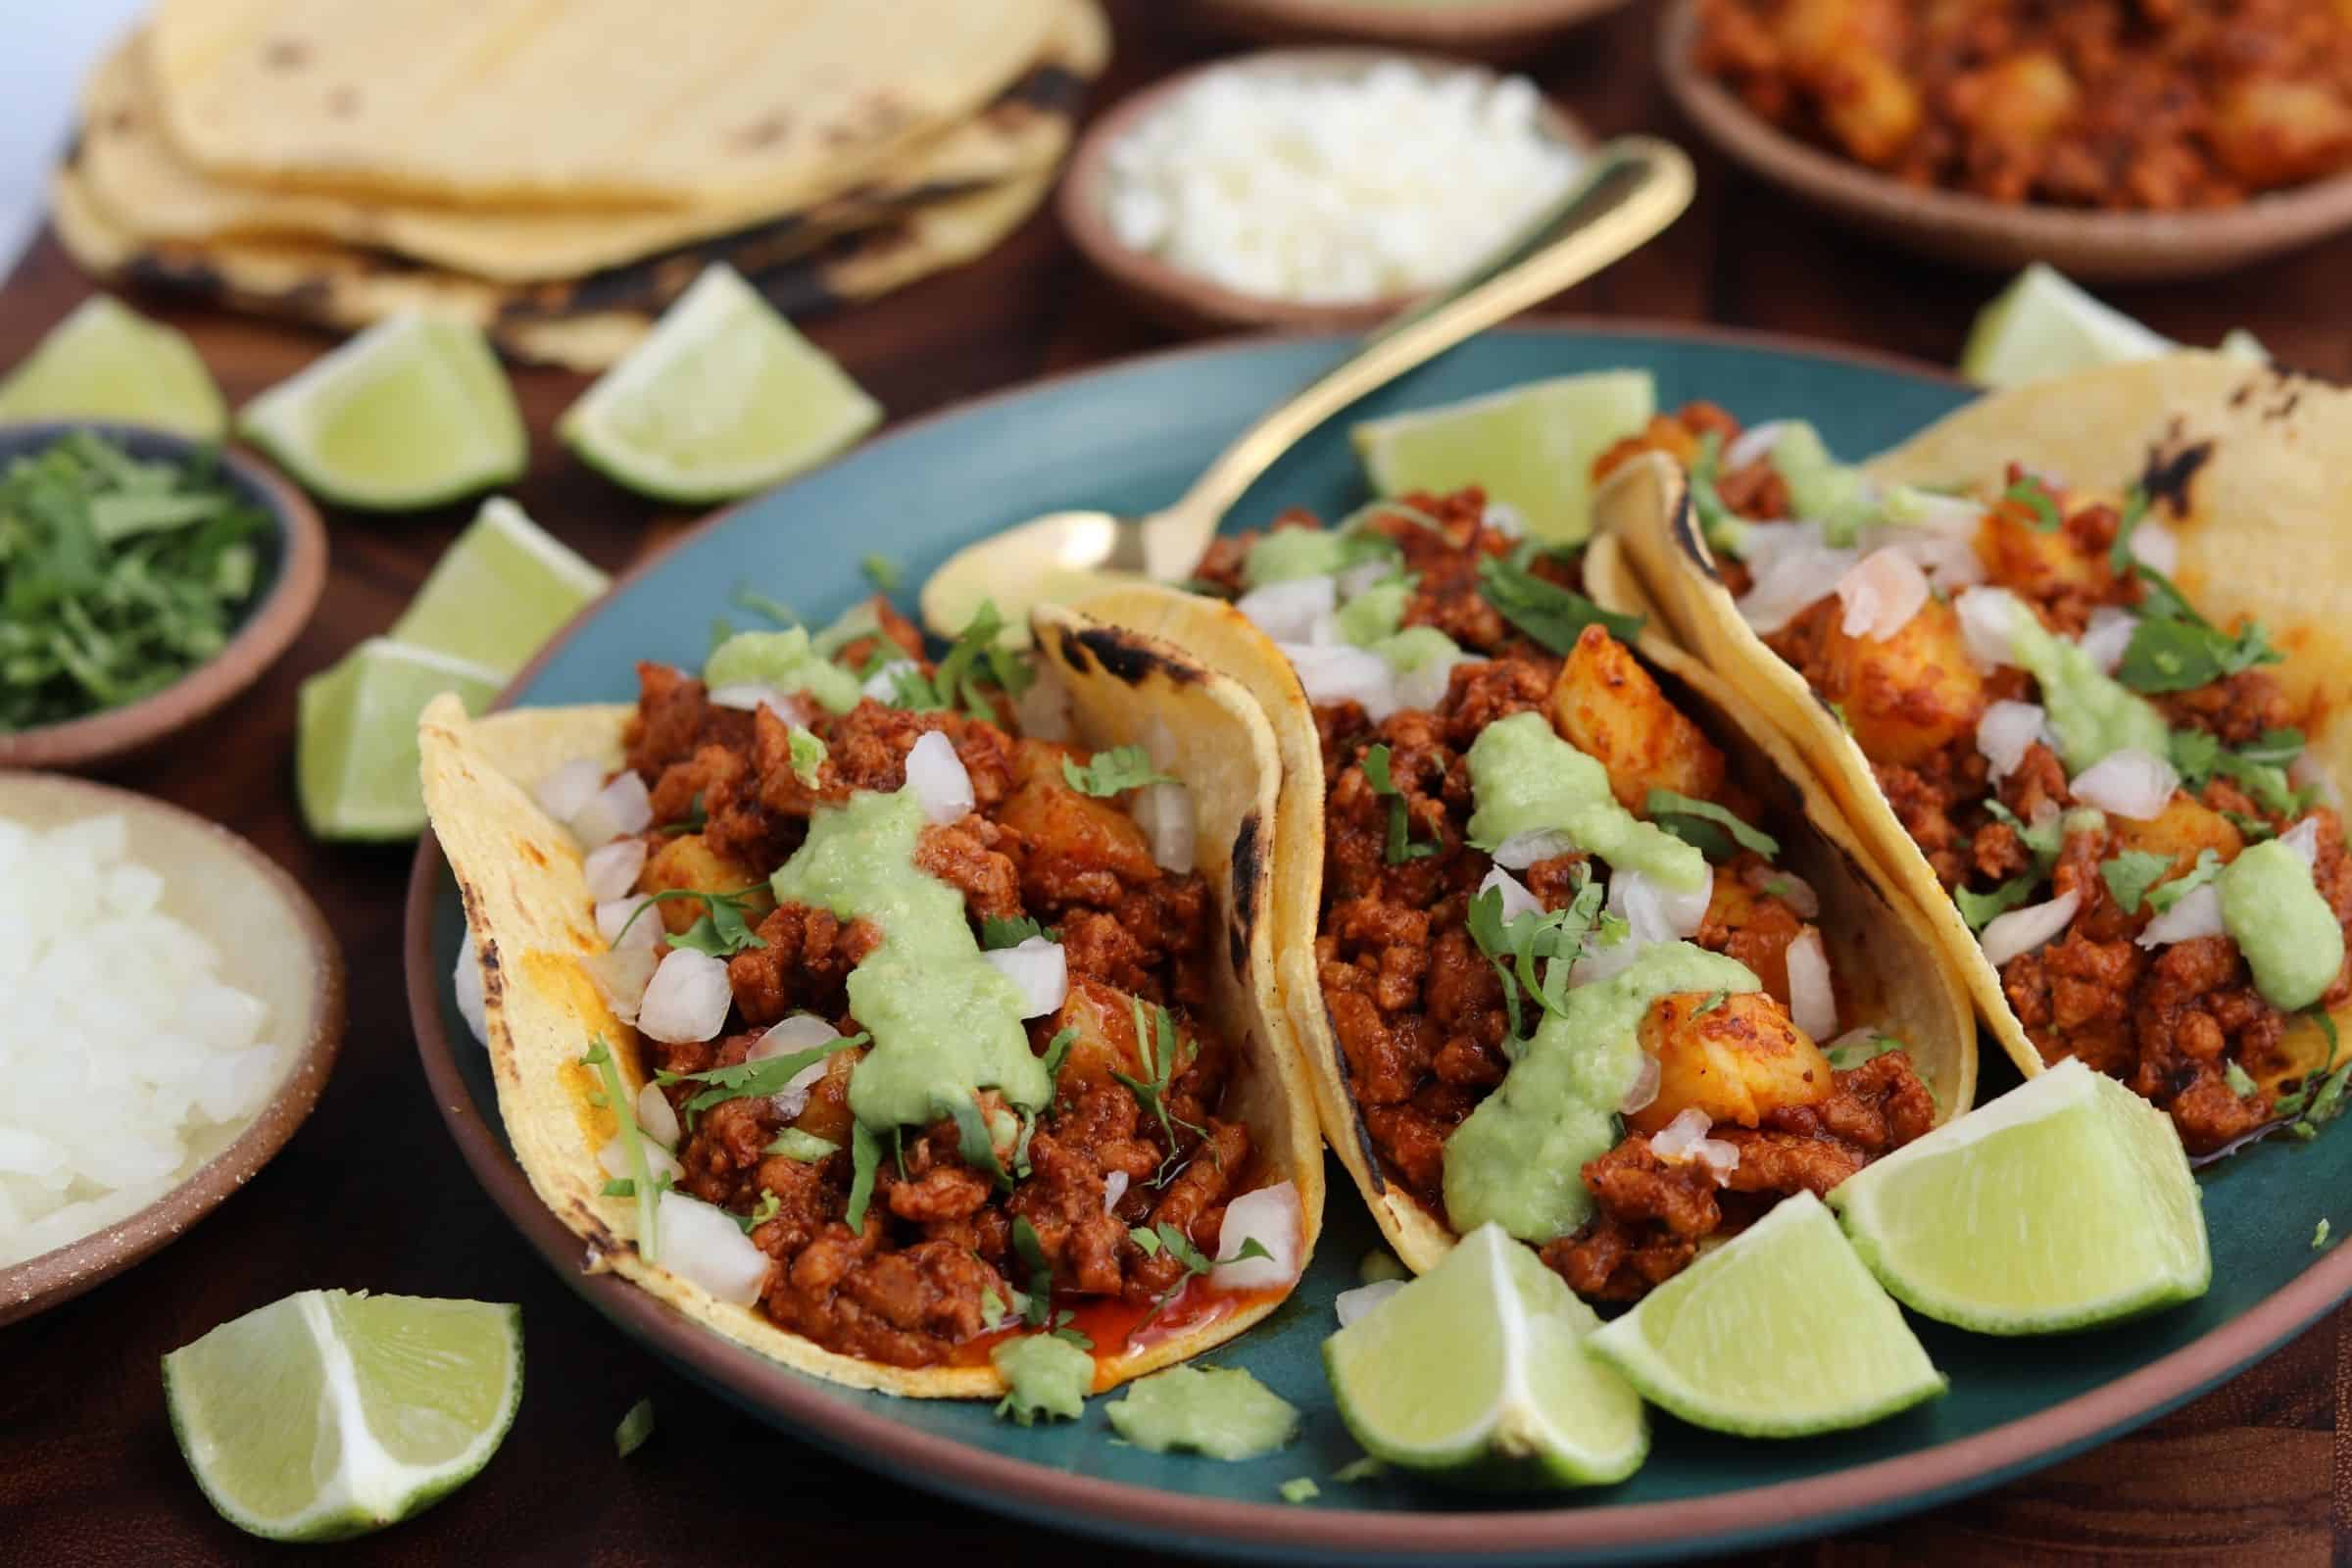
(371, 1194)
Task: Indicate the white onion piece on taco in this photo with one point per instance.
(1042, 711)
(566, 792)
(1756, 441)
(2025, 930)
(1523, 850)
(2155, 546)
(1038, 969)
(1644, 1091)
(2303, 839)
(655, 1117)
(702, 1243)
(1988, 625)
(803, 1031)
(1797, 893)
(1516, 900)
(1351, 1305)
(622, 806)
(687, 998)
(2308, 772)
(1270, 1217)
(883, 684)
(1881, 594)
(1812, 997)
(1287, 611)
(941, 785)
(2108, 636)
(618, 922)
(2128, 783)
(1344, 675)
(1794, 570)
(2197, 913)
(1365, 575)
(1685, 1139)
(1657, 913)
(621, 974)
(614, 1157)
(2005, 733)
(1164, 811)
(1115, 1188)
(611, 871)
(468, 979)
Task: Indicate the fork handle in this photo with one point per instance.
(1637, 185)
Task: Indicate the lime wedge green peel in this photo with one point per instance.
(1779, 1333)
(722, 399)
(413, 412)
(2065, 1203)
(355, 755)
(327, 1415)
(498, 593)
(2045, 324)
(107, 361)
(1477, 1374)
(1530, 448)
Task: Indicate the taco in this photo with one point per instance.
(2070, 662)
(882, 1013)
(1569, 943)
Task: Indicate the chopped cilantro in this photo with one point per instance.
(1980, 910)
(976, 1148)
(1725, 533)
(1714, 1000)
(1180, 1247)
(1160, 1063)
(2135, 512)
(1146, 1239)
(1779, 887)
(721, 925)
(865, 1159)
(759, 604)
(1062, 1331)
(962, 676)
(2255, 828)
(2241, 1084)
(2319, 1237)
(1108, 772)
(721, 628)
(1837, 712)
(881, 572)
(2259, 769)
(808, 756)
(635, 1427)
(1302, 1489)
(1401, 847)
(992, 1310)
(620, 1187)
(996, 934)
(1032, 1253)
(2174, 648)
(1547, 613)
(2208, 866)
(795, 1144)
(766, 1211)
(694, 822)
(2030, 493)
(1515, 947)
(2131, 874)
(1675, 814)
(1855, 1053)
(1363, 1468)
(746, 1080)
(640, 1186)
(2320, 1099)
(1057, 1050)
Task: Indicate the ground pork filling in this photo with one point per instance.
(2183, 1025)
(1417, 1007)
(937, 1266)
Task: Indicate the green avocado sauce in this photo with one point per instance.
(1376, 612)
(1526, 778)
(2091, 713)
(946, 1023)
(784, 660)
(1044, 1377)
(1222, 1412)
(1518, 1159)
(1820, 487)
(2274, 913)
(1285, 554)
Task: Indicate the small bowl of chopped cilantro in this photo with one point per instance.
(144, 580)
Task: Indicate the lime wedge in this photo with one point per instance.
(355, 747)
(413, 412)
(1779, 1333)
(499, 592)
(2045, 325)
(327, 1415)
(108, 362)
(1530, 448)
(1477, 1374)
(2066, 1202)
(723, 398)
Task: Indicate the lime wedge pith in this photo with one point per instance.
(1779, 1333)
(107, 361)
(1530, 448)
(1477, 1374)
(413, 412)
(326, 1415)
(2066, 1203)
(498, 593)
(355, 754)
(722, 399)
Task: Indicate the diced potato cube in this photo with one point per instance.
(2183, 828)
(1908, 697)
(1736, 1061)
(1060, 823)
(1606, 706)
(689, 861)
(2038, 565)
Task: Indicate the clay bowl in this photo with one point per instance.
(292, 575)
(1479, 30)
(1187, 301)
(274, 944)
(2094, 247)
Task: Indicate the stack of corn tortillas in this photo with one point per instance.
(559, 173)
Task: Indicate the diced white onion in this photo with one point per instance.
(1043, 710)
(1287, 611)
(790, 706)
(1271, 1216)
(2195, 913)
(1720, 1155)
(1643, 1091)
(2154, 545)
(1812, 998)
(1685, 1138)
(687, 998)
(656, 1119)
(611, 871)
(659, 1162)
(621, 975)
(2109, 636)
(1038, 970)
(1988, 625)
(1598, 964)
(2022, 931)
(1799, 894)
(1425, 685)
(803, 1031)
(1523, 850)
(2005, 733)
(621, 807)
(1656, 913)
(1354, 1305)
(883, 684)
(1516, 900)
(468, 979)
(938, 778)
(1951, 561)
(2128, 783)
(1927, 512)
(1344, 675)
(703, 1244)
(615, 922)
(566, 792)
(1166, 813)
(2303, 839)
(1881, 593)
(1794, 570)
(1756, 441)
(1363, 576)
(2308, 772)
(1115, 1188)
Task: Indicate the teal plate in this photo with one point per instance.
(1129, 438)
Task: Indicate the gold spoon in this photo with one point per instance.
(1635, 187)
